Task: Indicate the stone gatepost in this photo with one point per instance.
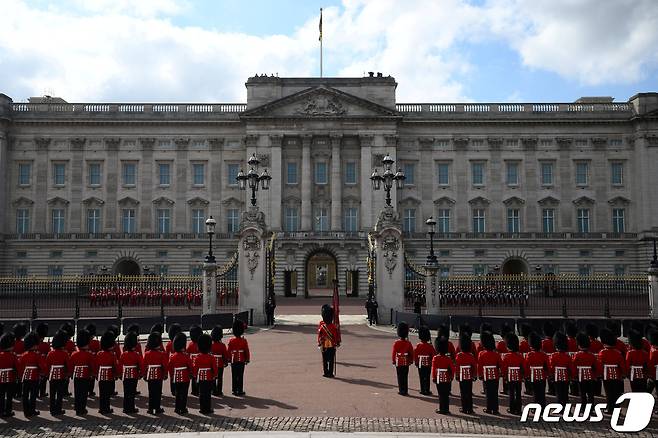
(209, 287)
(653, 291)
(389, 255)
(251, 264)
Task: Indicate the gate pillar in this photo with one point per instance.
(209, 288)
(389, 257)
(252, 264)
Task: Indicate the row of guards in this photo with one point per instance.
(103, 296)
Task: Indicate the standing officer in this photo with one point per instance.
(270, 305)
(328, 340)
(238, 349)
(402, 356)
(58, 372)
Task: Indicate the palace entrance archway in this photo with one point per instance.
(127, 267)
(320, 272)
(514, 266)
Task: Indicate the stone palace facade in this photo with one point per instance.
(565, 187)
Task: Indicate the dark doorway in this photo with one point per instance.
(321, 269)
(515, 266)
(290, 283)
(127, 267)
(352, 283)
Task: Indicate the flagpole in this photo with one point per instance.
(320, 42)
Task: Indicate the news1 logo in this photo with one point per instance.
(638, 414)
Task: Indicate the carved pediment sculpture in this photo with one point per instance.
(321, 105)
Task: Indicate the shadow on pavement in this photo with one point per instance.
(366, 382)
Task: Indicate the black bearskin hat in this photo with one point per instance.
(505, 329)
(130, 341)
(217, 333)
(548, 329)
(512, 342)
(635, 339)
(59, 340)
(31, 340)
(465, 329)
(157, 327)
(114, 329)
(487, 340)
(465, 343)
(485, 327)
(442, 344)
(174, 329)
(19, 330)
(614, 327)
(525, 330)
(608, 337)
(68, 328)
(91, 328)
(205, 342)
(42, 330)
(327, 313)
(592, 330)
(154, 341)
(403, 330)
(2, 328)
(653, 337)
(83, 338)
(583, 341)
(7, 341)
(571, 329)
(107, 340)
(535, 341)
(133, 328)
(638, 326)
(424, 333)
(180, 342)
(560, 341)
(238, 328)
(195, 332)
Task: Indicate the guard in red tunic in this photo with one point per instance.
(19, 330)
(43, 349)
(489, 365)
(180, 370)
(524, 349)
(82, 363)
(536, 368)
(444, 331)
(595, 345)
(31, 366)
(559, 365)
(155, 366)
(402, 356)
(173, 330)
(222, 359)
(193, 351)
(8, 373)
(653, 358)
(328, 340)
(571, 329)
(443, 372)
(106, 372)
(238, 350)
(466, 372)
(205, 370)
(615, 328)
(94, 348)
(57, 361)
(614, 368)
(423, 355)
(512, 370)
(548, 347)
(637, 362)
(584, 369)
(130, 370)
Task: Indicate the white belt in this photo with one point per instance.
(559, 369)
(532, 375)
(633, 368)
(200, 370)
(179, 368)
(4, 370)
(509, 372)
(581, 369)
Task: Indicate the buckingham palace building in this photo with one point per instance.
(515, 187)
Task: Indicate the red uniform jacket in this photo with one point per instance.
(560, 359)
(512, 360)
(547, 346)
(524, 347)
(646, 345)
(70, 346)
(474, 349)
(204, 367)
(94, 346)
(56, 359)
(403, 353)
(131, 358)
(424, 349)
(441, 361)
(653, 363)
(466, 360)
(44, 348)
(220, 353)
(117, 350)
(156, 357)
(623, 348)
(238, 350)
(107, 359)
(501, 347)
(328, 335)
(138, 349)
(585, 358)
(595, 346)
(169, 348)
(536, 359)
(638, 358)
(192, 348)
(488, 358)
(572, 344)
(180, 360)
(19, 347)
(8, 366)
(612, 356)
(85, 359)
(31, 359)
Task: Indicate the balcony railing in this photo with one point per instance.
(116, 236)
(132, 108)
(507, 108)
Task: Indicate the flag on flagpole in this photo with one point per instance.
(320, 38)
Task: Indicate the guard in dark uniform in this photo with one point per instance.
(57, 361)
(180, 370)
(131, 365)
(205, 369)
(270, 305)
(402, 357)
(8, 374)
(328, 340)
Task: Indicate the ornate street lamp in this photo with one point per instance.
(388, 178)
(210, 230)
(431, 229)
(252, 179)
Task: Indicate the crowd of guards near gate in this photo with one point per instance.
(29, 364)
(104, 296)
(560, 363)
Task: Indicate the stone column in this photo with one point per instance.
(40, 181)
(307, 183)
(209, 288)
(251, 264)
(336, 185)
(113, 172)
(146, 221)
(182, 186)
(366, 185)
(216, 172)
(389, 253)
(77, 186)
(276, 183)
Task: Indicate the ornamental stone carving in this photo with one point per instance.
(252, 217)
(147, 143)
(390, 248)
(388, 218)
(42, 143)
(321, 106)
(78, 143)
(251, 245)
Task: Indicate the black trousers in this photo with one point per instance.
(528, 386)
(639, 385)
(6, 396)
(466, 393)
(195, 387)
(514, 392)
(181, 396)
(328, 358)
(155, 394)
(205, 396)
(586, 391)
(551, 387)
(539, 392)
(105, 391)
(574, 388)
(237, 377)
(129, 393)
(491, 393)
(613, 389)
(80, 394)
(172, 387)
(403, 379)
(598, 385)
(57, 391)
(18, 390)
(562, 392)
(425, 376)
(42, 386)
(30, 391)
(219, 382)
(443, 390)
(92, 383)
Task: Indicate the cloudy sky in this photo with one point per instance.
(438, 50)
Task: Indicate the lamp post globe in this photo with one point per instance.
(432, 261)
(210, 230)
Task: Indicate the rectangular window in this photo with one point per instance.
(351, 220)
(549, 269)
(55, 271)
(549, 253)
(479, 253)
(94, 220)
(479, 269)
(23, 221)
(444, 253)
(321, 173)
(548, 220)
(321, 220)
(232, 173)
(56, 254)
(21, 272)
(196, 270)
(512, 173)
(94, 170)
(620, 253)
(585, 253)
(513, 220)
(129, 174)
(128, 222)
(162, 254)
(443, 224)
(291, 219)
(409, 220)
(57, 215)
(409, 170)
(163, 269)
(233, 220)
(479, 220)
(24, 174)
(164, 220)
(59, 174)
(291, 173)
(444, 271)
(91, 254)
(198, 174)
(620, 270)
(582, 173)
(584, 270)
(617, 174)
(547, 174)
(198, 221)
(350, 172)
(443, 171)
(477, 173)
(164, 172)
(618, 222)
(583, 220)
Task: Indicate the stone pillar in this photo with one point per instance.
(76, 221)
(366, 185)
(181, 186)
(307, 183)
(251, 264)
(209, 288)
(431, 298)
(653, 291)
(40, 181)
(389, 253)
(336, 184)
(276, 184)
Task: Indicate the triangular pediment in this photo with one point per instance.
(619, 200)
(479, 200)
(198, 200)
(163, 200)
(445, 200)
(232, 201)
(513, 200)
(93, 200)
(320, 102)
(57, 200)
(411, 200)
(23, 201)
(127, 200)
(583, 200)
(549, 200)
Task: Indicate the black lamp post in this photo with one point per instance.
(431, 229)
(210, 230)
(388, 178)
(252, 179)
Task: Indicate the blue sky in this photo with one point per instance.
(438, 50)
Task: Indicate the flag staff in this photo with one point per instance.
(320, 42)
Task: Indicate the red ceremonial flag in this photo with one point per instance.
(336, 306)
